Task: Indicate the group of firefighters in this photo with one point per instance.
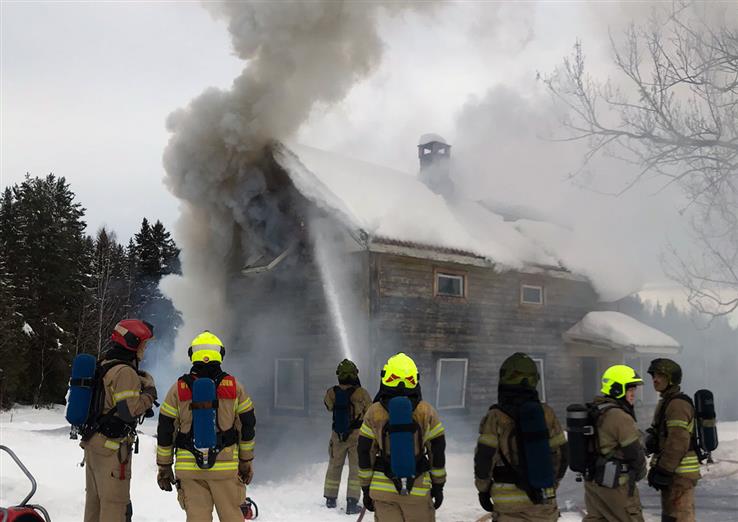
(362, 430)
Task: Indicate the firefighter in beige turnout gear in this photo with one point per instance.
(675, 468)
(497, 453)
(380, 491)
(223, 485)
(348, 401)
(129, 394)
(618, 443)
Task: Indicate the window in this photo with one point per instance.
(542, 381)
(531, 294)
(289, 384)
(451, 379)
(452, 285)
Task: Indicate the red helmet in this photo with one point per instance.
(130, 333)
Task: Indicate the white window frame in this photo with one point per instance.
(439, 363)
(542, 373)
(278, 406)
(450, 275)
(525, 286)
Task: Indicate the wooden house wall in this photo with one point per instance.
(486, 326)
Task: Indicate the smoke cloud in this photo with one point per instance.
(299, 55)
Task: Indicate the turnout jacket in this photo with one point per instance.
(235, 411)
(430, 445)
(618, 437)
(497, 443)
(123, 386)
(673, 421)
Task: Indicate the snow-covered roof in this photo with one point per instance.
(387, 204)
(617, 331)
(428, 138)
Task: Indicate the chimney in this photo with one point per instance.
(434, 154)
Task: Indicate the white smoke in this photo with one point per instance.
(299, 54)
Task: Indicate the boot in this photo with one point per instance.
(352, 506)
(330, 502)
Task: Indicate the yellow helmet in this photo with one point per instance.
(206, 348)
(400, 370)
(617, 379)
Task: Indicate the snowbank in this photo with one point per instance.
(40, 438)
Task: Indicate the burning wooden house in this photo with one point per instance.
(349, 259)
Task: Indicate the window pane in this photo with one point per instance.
(451, 383)
(450, 285)
(532, 294)
(290, 384)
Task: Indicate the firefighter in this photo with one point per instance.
(222, 485)
(348, 401)
(128, 396)
(498, 468)
(395, 498)
(611, 494)
(675, 468)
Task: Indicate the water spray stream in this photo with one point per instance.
(328, 274)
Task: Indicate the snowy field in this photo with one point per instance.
(40, 438)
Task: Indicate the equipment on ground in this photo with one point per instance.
(249, 509)
(23, 512)
(402, 429)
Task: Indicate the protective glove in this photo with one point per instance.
(651, 444)
(659, 478)
(437, 495)
(148, 386)
(368, 502)
(246, 471)
(486, 502)
(165, 477)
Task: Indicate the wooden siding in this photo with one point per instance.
(488, 324)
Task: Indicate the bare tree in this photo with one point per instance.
(675, 116)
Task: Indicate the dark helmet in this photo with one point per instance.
(130, 333)
(347, 370)
(668, 368)
(519, 369)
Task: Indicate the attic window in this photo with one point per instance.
(450, 284)
(531, 294)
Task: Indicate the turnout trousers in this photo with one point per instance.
(107, 482)
(337, 453)
(197, 498)
(611, 504)
(677, 501)
(419, 509)
(534, 513)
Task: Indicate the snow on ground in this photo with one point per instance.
(40, 438)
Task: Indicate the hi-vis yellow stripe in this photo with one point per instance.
(557, 440)
(365, 473)
(111, 444)
(247, 446)
(380, 482)
(245, 406)
(186, 462)
(164, 451)
(168, 410)
(125, 394)
(508, 494)
(680, 424)
(435, 431)
(690, 464)
(366, 431)
(488, 439)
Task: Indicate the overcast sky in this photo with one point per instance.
(86, 89)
